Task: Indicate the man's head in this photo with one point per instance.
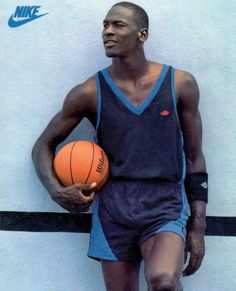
(140, 15)
(125, 29)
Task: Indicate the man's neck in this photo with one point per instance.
(132, 67)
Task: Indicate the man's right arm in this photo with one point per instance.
(80, 102)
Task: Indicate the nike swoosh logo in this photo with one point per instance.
(13, 23)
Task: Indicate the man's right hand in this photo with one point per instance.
(75, 198)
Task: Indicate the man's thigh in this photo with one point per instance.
(163, 256)
(121, 276)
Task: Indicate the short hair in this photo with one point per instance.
(141, 17)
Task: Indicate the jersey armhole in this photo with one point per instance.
(99, 103)
(174, 98)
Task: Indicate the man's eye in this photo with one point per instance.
(120, 25)
(105, 25)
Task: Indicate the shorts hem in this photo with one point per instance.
(164, 230)
(100, 258)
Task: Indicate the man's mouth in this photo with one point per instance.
(110, 43)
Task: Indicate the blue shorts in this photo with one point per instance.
(128, 212)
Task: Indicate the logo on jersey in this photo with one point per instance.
(165, 113)
(23, 15)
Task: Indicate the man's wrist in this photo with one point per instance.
(54, 188)
(198, 224)
(198, 216)
(196, 186)
(198, 209)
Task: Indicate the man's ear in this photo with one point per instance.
(143, 34)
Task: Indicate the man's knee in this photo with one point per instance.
(162, 282)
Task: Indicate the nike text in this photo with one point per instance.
(23, 15)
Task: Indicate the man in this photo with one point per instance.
(146, 117)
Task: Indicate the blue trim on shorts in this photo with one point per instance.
(98, 245)
(178, 226)
(140, 108)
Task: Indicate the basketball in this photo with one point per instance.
(81, 162)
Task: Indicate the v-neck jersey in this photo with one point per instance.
(137, 109)
(145, 141)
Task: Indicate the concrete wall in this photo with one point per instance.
(42, 60)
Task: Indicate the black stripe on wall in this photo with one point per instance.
(81, 223)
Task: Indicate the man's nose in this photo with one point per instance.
(108, 30)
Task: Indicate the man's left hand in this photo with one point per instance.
(195, 245)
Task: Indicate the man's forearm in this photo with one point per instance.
(198, 215)
(42, 156)
(198, 209)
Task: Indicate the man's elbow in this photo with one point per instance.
(35, 150)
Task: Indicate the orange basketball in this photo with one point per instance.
(81, 162)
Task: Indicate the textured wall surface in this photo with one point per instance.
(42, 60)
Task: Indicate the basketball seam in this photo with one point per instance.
(71, 153)
(86, 180)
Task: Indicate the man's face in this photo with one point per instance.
(120, 32)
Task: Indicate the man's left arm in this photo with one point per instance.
(196, 178)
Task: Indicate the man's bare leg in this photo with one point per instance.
(163, 256)
(121, 276)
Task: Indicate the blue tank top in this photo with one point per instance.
(144, 141)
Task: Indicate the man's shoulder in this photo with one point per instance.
(87, 89)
(82, 97)
(180, 75)
(183, 76)
(186, 87)
(185, 83)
